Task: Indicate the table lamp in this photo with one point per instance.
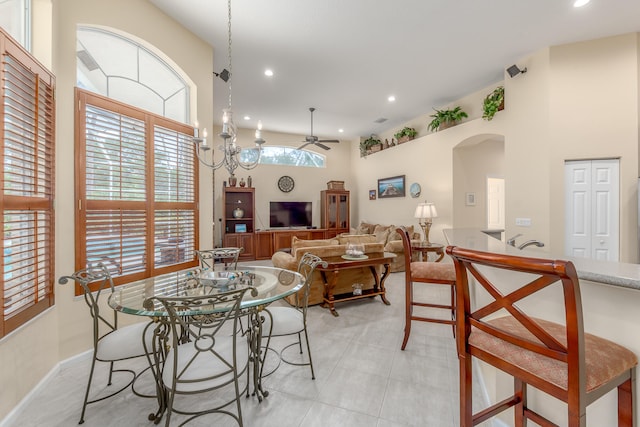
(425, 212)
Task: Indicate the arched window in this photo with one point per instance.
(138, 184)
(120, 68)
(289, 156)
(15, 18)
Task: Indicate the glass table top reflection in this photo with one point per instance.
(270, 283)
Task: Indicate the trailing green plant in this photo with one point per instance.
(406, 131)
(441, 117)
(493, 103)
(368, 143)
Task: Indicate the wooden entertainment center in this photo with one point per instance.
(238, 223)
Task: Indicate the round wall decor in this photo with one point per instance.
(285, 183)
(415, 190)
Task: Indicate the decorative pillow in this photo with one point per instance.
(364, 228)
(395, 236)
(382, 233)
(297, 243)
(356, 238)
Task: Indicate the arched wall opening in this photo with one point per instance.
(476, 160)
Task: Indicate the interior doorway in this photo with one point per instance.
(495, 204)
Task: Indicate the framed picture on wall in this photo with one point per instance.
(470, 199)
(372, 194)
(391, 187)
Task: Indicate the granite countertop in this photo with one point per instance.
(608, 272)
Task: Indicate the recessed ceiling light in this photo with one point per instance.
(247, 118)
(580, 3)
(268, 72)
(391, 98)
(341, 130)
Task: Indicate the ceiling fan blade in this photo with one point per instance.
(304, 145)
(322, 146)
(328, 140)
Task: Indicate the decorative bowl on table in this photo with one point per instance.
(354, 251)
(218, 279)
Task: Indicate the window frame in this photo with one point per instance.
(37, 267)
(150, 205)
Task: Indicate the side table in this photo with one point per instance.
(424, 248)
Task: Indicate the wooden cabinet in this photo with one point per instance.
(269, 241)
(334, 211)
(264, 246)
(239, 219)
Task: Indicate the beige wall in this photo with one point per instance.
(594, 114)
(427, 160)
(575, 101)
(63, 331)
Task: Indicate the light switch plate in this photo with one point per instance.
(523, 222)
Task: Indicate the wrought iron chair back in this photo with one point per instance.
(110, 343)
(205, 354)
(283, 321)
(226, 256)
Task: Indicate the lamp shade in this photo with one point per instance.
(426, 210)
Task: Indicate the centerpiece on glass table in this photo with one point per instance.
(354, 251)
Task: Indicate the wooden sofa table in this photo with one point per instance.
(337, 264)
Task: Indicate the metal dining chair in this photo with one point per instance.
(111, 343)
(227, 256)
(205, 355)
(503, 327)
(292, 320)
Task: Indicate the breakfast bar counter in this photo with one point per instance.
(606, 272)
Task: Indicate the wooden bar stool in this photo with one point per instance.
(425, 272)
(562, 361)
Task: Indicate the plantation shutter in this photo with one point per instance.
(137, 207)
(174, 186)
(115, 211)
(27, 121)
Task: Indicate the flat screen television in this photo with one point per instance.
(289, 214)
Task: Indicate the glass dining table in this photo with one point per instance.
(270, 284)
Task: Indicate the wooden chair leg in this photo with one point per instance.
(466, 403)
(626, 403)
(408, 312)
(520, 393)
(453, 308)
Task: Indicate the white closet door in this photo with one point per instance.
(592, 190)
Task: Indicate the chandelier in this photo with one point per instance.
(231, 158)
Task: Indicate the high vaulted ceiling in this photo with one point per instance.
(346, 57)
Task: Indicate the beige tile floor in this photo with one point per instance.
(362, 377)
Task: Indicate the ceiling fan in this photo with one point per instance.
(313, 140)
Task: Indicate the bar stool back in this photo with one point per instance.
(425, 272)
(562, 361)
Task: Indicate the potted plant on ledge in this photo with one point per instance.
(443, 119)
(406, 134)
(493, 103)
(370, 145)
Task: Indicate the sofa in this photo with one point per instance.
(329, 248)
(390, 239)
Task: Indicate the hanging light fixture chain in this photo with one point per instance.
(231, 151)
(229, 50)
